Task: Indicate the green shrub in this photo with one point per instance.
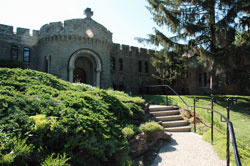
(128, 132)
(79, 120)
(59, 160)
(14, 150)
(150, 127)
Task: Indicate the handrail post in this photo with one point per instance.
(228, 116)
(195, 99)
(212, 120)
(166, 93)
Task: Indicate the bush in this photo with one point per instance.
(150, 127)
(81, 121)
(128, 132)
(59, 160)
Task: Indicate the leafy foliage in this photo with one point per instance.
(59, 160)
(150, 127)
(168, 66)
(54, 116)
(206, 26)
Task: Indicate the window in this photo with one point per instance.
(120, 64)
(205, 79)
(146, 67)
(114, 86)
(26, 54)
(112, 64)
(139, 66)
(14, 52)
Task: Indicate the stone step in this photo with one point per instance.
(178, 129)
(161, 108)
(169, 118)
(165, 113)
(175, 123)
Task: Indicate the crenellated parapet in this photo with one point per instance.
(22, 35)
(86, 30)
(126, 50)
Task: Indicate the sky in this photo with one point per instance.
(126, 19)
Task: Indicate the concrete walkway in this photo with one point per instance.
(187, 149)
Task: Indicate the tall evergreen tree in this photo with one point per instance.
(168, 66)
(197, 24)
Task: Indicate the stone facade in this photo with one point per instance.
(82, 50)
(79, 50)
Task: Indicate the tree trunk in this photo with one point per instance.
(212, 41)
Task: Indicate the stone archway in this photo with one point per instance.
(88, 61)
(79, 75)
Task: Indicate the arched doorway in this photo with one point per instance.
(79, 75)
(85, 61)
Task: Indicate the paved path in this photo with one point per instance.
(187, 149)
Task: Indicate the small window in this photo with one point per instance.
(120, 64)
(14, 52)
(112, 64)
(146, 67)
(26, 54)
(139, 66)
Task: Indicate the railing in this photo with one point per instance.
(230, 128)
(167, 86)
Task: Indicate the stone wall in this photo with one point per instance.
(129, 78)
(22, 39)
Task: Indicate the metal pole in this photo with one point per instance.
(212, 121)
(166, 93)
(228, 150)
(194, 116)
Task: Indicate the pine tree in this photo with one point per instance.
(168, 66)
(197, 24)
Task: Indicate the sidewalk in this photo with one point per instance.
(187, 149)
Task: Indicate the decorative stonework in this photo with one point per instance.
(88, 12)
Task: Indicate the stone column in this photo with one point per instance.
(98, 78)
(71, 74)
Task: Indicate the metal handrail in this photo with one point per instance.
(230, 129)
(155, 86)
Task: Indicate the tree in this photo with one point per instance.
(197, 24)
(168, 66)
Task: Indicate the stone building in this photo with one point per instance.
(82, 50)
(79, 50)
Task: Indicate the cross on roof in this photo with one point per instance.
(88, 12)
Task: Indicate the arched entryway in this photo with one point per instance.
(79, 75)
(86, 65)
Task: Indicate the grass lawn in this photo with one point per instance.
(239, 115)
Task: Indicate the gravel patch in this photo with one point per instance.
(187, 149)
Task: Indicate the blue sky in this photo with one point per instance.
(126, 19)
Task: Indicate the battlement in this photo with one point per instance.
(126, 49)
(81, 27)
(9, 30)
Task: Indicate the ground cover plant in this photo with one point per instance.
(239, 115)
(47, 120)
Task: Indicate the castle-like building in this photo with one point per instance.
(82, 50)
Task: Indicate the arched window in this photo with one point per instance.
(26, 54)
(139, 66)
(14, 52)
(120, 64)
(112, 63)
(146, 67)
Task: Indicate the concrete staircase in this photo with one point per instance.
(171, 119)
